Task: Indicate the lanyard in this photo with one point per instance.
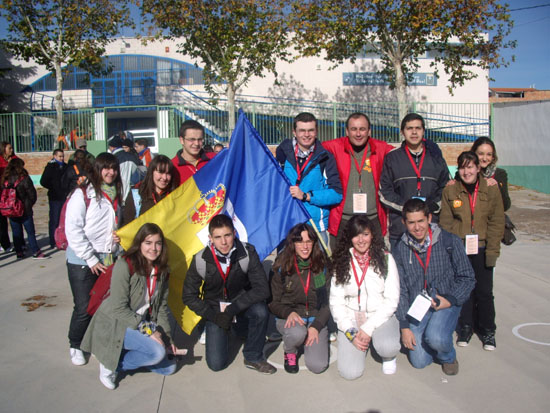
(428, 255)
(222, 274)
(418, 169)
(114, 204)
(151, 289)
(306, 285)
(359, 168)
(298, 169)
(359, 283)
(473, 203)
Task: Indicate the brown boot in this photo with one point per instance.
(450, 369)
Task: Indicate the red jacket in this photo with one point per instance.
(341, 149)
(186, 169)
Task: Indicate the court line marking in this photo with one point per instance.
(515, 331)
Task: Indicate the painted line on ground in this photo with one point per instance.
(515, 331)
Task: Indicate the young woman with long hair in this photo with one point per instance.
(160, 181)
(364, 294)
(6, 154)
(131, 328)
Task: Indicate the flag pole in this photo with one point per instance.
(325, 247)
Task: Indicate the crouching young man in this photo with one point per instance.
(235, 289)
(436, 278)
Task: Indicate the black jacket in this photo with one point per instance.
(26, 192)
(51, 179)
(243, 289)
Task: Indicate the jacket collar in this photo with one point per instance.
(202, 158)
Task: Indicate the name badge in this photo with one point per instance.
(472, 244)
(359, 203)
(420, 307)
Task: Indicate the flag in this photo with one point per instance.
(246, 183)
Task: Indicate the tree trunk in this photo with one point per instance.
(59, 97)
(400, 87)
(231, 108)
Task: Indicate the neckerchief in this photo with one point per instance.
(489, 172)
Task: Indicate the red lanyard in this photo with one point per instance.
(359, 283)
(224, 275)
(306, 285)
(151, 289)
(473, 203)
(359, 168)
(428, 255)
(114, 204)
(418, 169)
(298, 169)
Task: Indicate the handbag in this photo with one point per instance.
(509, 228)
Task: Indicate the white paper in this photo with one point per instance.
(359, 203)
(472, 244)
(420, 307)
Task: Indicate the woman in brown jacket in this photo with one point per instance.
(473, 210)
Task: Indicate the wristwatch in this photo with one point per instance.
(304, 197)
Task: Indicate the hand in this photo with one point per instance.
(312, 336)
(292, 319)
(443, 303)
(407, 338)
(98, 268)
(157, 337)
(491, 182)
(116, 238)
(223, 320)
(361, 341)
(296, 192)
(450, 182)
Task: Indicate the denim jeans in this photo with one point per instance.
(55, 213)
(82, 281)
(434, 337)
(143, 351)
(254, 320)
(17, 225)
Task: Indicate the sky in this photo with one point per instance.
(531, 67)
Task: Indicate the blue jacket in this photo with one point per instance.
(320, 178)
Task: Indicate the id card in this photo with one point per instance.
(223, 306)
(359, 203)
(472, 244)
(360, 318)
(420, 307)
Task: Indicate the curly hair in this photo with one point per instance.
(139, 262)
(341, 258)
(284, 263)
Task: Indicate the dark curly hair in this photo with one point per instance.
(341, 258)
(284, 263)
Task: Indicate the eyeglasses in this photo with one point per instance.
(308, 242)
(199, 140)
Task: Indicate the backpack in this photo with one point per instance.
(59, 234)
(102, 287)
(200, 263)
(10, 205)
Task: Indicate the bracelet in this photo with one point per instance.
(350, 334)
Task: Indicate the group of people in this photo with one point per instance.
(432, 280)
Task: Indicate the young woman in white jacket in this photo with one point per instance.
(91, 217)
(364, 295)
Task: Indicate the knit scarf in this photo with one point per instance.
(489, 171)
(110, 190)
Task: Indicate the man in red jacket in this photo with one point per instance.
(359, 159)
(191, 157)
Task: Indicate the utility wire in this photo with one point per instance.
(531, 7)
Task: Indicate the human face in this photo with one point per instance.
(361, 242)
(358, 131)
(418, 224)
(304, 247)
(223, 239)
(192, 143)
(108, 175)
(8, 150)
(59, 156)
(138, 147)
(126, 148)
(161, 180)
(151, 247)
(485, 154)
(468, 173)
(413, 133)
(305, 133)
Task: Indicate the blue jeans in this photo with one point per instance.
(17, 225)
(434, 337)
(254, 319)
(55, 213)
(143, 351)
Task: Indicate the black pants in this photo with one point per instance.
(479, 310)
(82, 280)
(4, 235)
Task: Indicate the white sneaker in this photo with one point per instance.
(202, 338)
(333, 337)
(107, 377)
(390, 366)
(77, 357)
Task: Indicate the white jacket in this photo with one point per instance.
(89, 231)
(379, 298)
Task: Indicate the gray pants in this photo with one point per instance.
(385, 340)
(316, 355)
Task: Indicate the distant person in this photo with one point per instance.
(414, 170)
(78, 171)
(6, 154)
(131, 328)
(142, 148)
(16, 176)
(82, 144)
(435, 279)
(128, 164)
(217, 288)
(63, 141)
(363, 298)
(191, 157)
(208, 148)
(218, 148)
(359, 159)
(51, 179)
(299, 287)
(472, 210)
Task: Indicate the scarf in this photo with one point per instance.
(489, 172)
(362, 260)
(110, 190)
(417, 246)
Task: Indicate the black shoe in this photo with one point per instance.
(488, 340)
(260, 366)
(291, 363)
(465, 333)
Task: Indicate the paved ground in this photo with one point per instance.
(36, 373)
